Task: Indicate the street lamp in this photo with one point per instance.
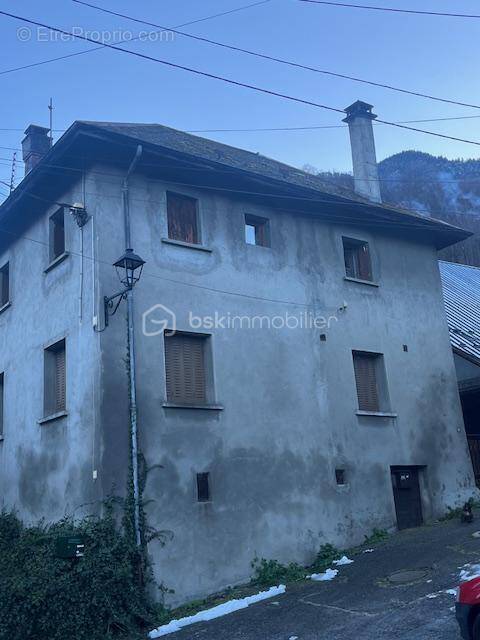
(129, 268)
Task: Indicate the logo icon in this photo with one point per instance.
(157, 320)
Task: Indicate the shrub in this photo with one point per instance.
(100, 596)
(271, 572)
(377, 535)
(324, 558)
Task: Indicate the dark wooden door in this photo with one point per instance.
(406, 492)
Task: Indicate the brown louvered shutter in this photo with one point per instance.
(60, 383)
(366, 380)
(185, 369)
(182, 218)
(364, 262)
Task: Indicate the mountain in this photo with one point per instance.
(434, 186)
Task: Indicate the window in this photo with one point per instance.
(182, 218)
(4, 284)
(57, 234)
(185, 365)
(340, 476)
(55, 379)
(357, 259)
(2, 379)
(203, 487)
(371, 381)
(257, 231)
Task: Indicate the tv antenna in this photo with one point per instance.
(50, 108)
(12, 176)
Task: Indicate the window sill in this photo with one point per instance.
(53, 416)
(210, 407)
(188, 245)
(56, 261)
(377, 414)
(5, 306)
(360, 281)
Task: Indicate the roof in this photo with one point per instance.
(199, 147)
(461, 292)
(213, 165)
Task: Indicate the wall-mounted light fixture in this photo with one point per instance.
(129, 268)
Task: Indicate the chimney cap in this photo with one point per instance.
(359, 109)
(36, 129)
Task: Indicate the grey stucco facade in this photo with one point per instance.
(284, 410)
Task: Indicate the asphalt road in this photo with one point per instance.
(364, 601)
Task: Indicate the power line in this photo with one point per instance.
(267, 129)
(230, 81)
(392, 9)
(80, 53)
(279, 60)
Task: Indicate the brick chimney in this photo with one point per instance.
(365, 170)
(35, 145)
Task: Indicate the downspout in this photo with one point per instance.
(131, 358)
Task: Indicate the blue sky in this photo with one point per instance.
(430, 54)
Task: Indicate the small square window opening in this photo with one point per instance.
(257, 231)
(203, 487)
(340, 476)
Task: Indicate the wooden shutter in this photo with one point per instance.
(365, 366)
(60, 385)
(364, 262)
(349, 256)
(182, 218)
(185, 369)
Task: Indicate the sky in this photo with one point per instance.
(434, 55)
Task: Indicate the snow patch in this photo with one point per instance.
(216, 612)
(323, 577)
(343, 560)
(368, 550)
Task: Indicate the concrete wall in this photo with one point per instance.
(289, 399)
(46, 468)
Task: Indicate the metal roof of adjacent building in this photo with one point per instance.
(461, 292)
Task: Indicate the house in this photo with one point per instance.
(293, 381)
(461, 291)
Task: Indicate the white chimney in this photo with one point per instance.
(364, 159)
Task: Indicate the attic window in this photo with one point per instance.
(358, 263)
(182, 215)
(57, 234)
(257, 231)
(4, 284)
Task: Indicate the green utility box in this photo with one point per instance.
(68, 547)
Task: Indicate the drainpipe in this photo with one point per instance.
(131, 360)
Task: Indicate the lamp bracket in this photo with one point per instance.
(111, 303)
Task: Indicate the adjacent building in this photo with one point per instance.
(461, 291)
(294, 379)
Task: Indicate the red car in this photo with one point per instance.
(467, 609)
